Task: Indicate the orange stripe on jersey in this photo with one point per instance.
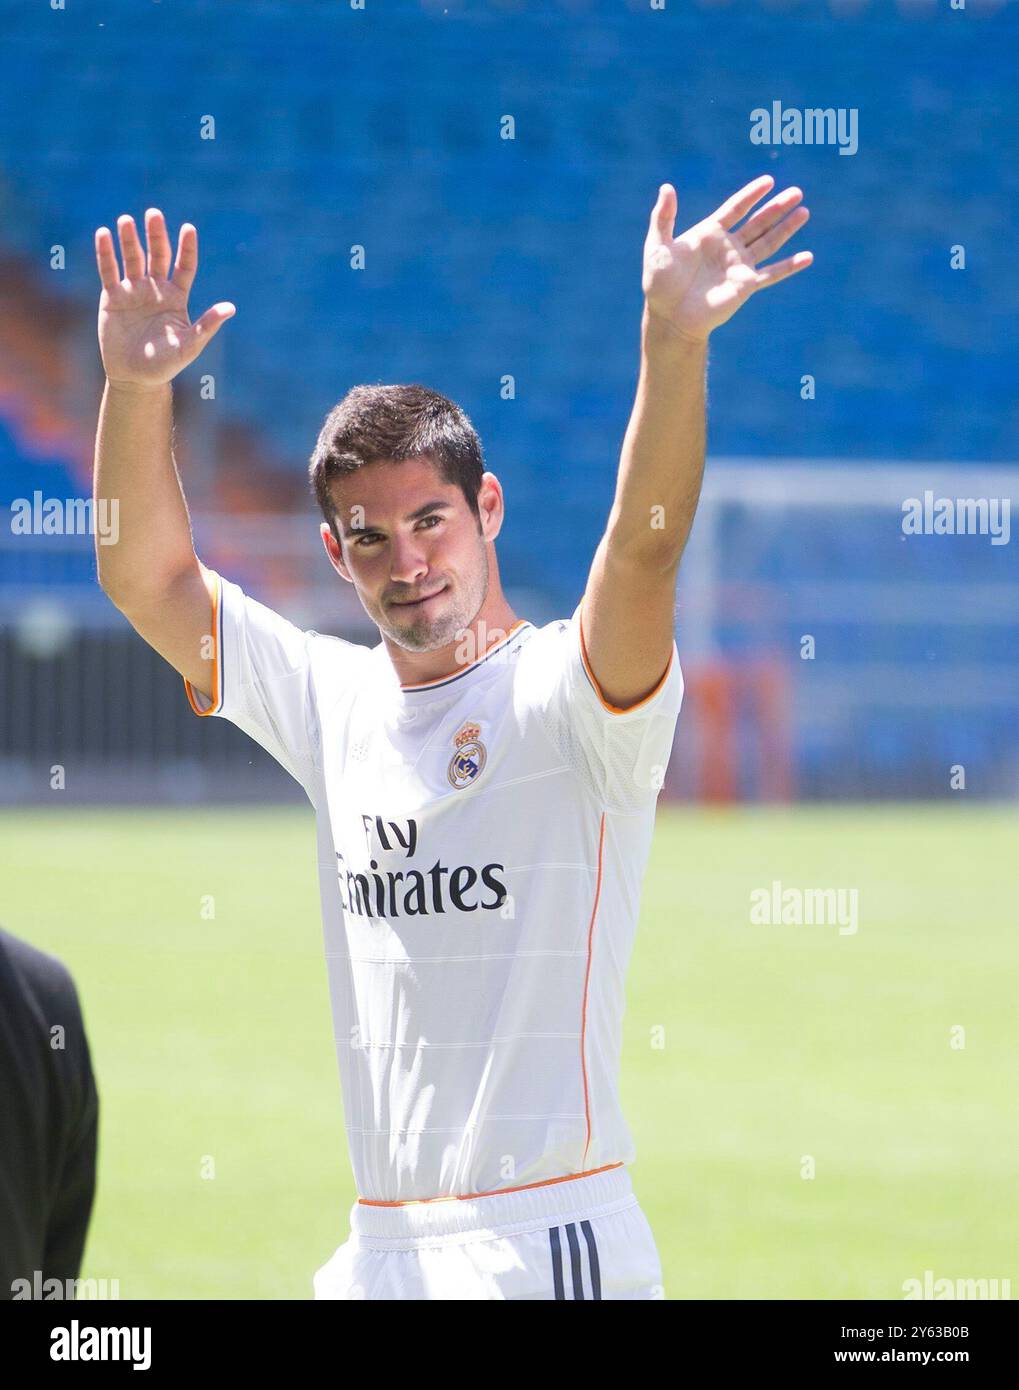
(587, 981)
(217, 694)
(462, 670)
(616, 709)
(497, 1192)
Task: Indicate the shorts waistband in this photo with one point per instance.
(559, 1200)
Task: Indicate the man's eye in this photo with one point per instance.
(370, 537)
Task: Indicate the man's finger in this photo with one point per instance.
(106, 259)
(781, 270)
(740, 203)
(770, 242)
(765, 218)
(158, 243)
(209, 325)
(187, 257)
(663, 214)
(130, 248)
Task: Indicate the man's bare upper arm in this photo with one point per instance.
(627, 624)
(178, 623)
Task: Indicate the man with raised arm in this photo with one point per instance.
(484, 789)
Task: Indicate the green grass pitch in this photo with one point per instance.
(747, 1048)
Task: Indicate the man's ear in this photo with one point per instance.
(491, 507)
(333, 550)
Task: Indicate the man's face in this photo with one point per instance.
(412, 549)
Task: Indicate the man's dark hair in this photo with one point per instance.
(375, 423)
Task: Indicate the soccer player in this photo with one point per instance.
(484, 789)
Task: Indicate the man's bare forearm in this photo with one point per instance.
(662, 459)
(135, 468)
(692, 284)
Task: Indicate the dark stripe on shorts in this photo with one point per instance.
(557, 1262)
(578, 1277)
(592, 1255)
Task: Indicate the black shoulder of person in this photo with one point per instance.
(49, 1112)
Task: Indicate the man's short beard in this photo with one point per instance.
(425, 637)
(430, 636)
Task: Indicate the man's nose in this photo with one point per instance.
(407, 560)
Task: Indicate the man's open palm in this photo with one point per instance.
(145, 335)
(698, 280)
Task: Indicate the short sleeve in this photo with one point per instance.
(262, 678)
(622, 754)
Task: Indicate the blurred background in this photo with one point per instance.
(829, 656)
(505, 274)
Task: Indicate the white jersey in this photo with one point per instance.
(482, 839)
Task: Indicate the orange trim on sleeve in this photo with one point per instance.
(497, 1192)
(217, 693)
(616, 709)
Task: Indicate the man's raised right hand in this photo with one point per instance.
(145, 335)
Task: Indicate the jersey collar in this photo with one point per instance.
(520, 628)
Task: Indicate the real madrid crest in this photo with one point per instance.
(466, 763)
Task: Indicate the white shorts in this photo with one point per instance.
(582, 1239)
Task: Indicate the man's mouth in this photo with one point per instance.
(418, 602)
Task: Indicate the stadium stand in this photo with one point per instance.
(489, 259)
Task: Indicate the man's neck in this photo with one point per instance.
(494, 621)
